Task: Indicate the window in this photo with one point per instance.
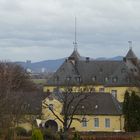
(48, 90)
(70, 89)
(68, 78)
(114, 93)
(107, 123)
(101, 70)
(82, 106)
(78, 79)
(94, 78)
(50, 107)
(115, 79)
(84, 122)
(92, 89)
(128, 79)
(96, 122)
(106, 79)
(101, 90)
(85, 89)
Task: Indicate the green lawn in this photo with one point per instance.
(39, 81)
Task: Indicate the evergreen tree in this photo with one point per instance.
(126, 111)
(131, 110)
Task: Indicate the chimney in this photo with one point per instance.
(87, 59)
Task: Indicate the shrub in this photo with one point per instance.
(136, 138)
(48, 134)
(29, 133)
(36, 134)
(10, 134)
(21, 131)
(76, 136)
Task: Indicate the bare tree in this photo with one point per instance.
(71, 103)
(14, 83)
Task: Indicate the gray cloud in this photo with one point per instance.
(45, 28)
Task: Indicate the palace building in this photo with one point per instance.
(106, 81)
(88, 75)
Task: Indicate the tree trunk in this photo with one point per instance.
(65, 135)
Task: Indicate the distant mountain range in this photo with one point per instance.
(53, 65)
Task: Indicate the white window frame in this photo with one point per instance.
(107, 122)
(96, 122)
(84, 122)
(114, 93)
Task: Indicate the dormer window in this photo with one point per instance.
(96, 106)
(115, 79)
(83, 107)
(106, 79)
(94, 78)
(78, 79)
(68, 78)
(101, 70)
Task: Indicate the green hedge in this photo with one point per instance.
(21, 131)
(36, 134)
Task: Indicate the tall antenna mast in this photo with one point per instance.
(75, 41)
(130, 44)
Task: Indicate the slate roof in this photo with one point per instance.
(131, 54)
(33, 102)
(94, 104)
(75, 55)
(76, 70)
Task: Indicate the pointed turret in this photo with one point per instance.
(130, 54)
(75, 55)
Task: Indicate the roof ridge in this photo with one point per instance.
(117, 105)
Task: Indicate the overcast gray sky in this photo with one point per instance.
(44, 29)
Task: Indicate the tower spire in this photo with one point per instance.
(75, 40)
(130, 45)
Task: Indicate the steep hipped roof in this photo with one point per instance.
(100, 104)
(95, 72)
(96, 69)
(66, 73)
(93, 104)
